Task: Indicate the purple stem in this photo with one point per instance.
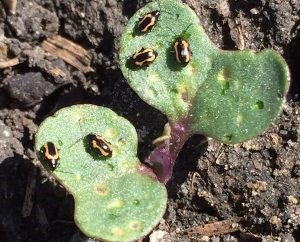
(163, 157)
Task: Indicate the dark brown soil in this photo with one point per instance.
(257, 181)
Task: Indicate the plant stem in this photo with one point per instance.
(163, 157)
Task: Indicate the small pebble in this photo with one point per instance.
(292, 200)
(254, 11)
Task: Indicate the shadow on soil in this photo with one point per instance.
(51, 208)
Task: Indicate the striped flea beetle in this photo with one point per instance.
(150, 19)
(143, 58)
(147, 22)
(50, 154)
(100, 145)
(182, 50)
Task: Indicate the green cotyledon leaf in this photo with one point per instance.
(164, 84)
(231, 96)
(242, 95)
(113, 200)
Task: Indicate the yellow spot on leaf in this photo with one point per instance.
(227, 138)
(240, 118)
(116, 204)
(125, 164)
(130, 164)
(192, 69)
(183, 92)
(153, 77)
(117, 231)
(78, 117)
(130, 36)
(224, 75)
(110, 133)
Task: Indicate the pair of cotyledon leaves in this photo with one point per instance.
(230, 96)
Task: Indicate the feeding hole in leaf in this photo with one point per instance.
(111, 167)
(224, 74)
(136, 202)
(227, 138)
(113, 216)
(240, 118)
(116, 204)
(225, 87)
(280, 95)
(152, 92)
(153, 77)
(223, 77)
(259, 105)
(185, 96)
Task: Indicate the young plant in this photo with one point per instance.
(231, 96)
(92, 152)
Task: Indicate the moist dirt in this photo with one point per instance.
(256, 182)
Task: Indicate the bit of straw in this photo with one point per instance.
(11, 6)
(69, 51)
(216, 228)
(9, 63)
(165, 135)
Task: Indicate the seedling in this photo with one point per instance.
(231, 96)
(115, 198)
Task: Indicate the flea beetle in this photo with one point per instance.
(147, 22)
(150, 19)
(142, 58)
(100, 145)
(181, 47)
(50, 153)
(182, 50)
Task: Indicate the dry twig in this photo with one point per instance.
(70, 52)
(216, 228)
(9, 63)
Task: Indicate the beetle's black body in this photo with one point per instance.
(143, 58)
(148, 21)
(100, 145)
(50, 154)
(182, 50)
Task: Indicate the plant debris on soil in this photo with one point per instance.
(244, 192)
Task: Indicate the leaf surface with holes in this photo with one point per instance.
(114, 201)
(231, 96)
